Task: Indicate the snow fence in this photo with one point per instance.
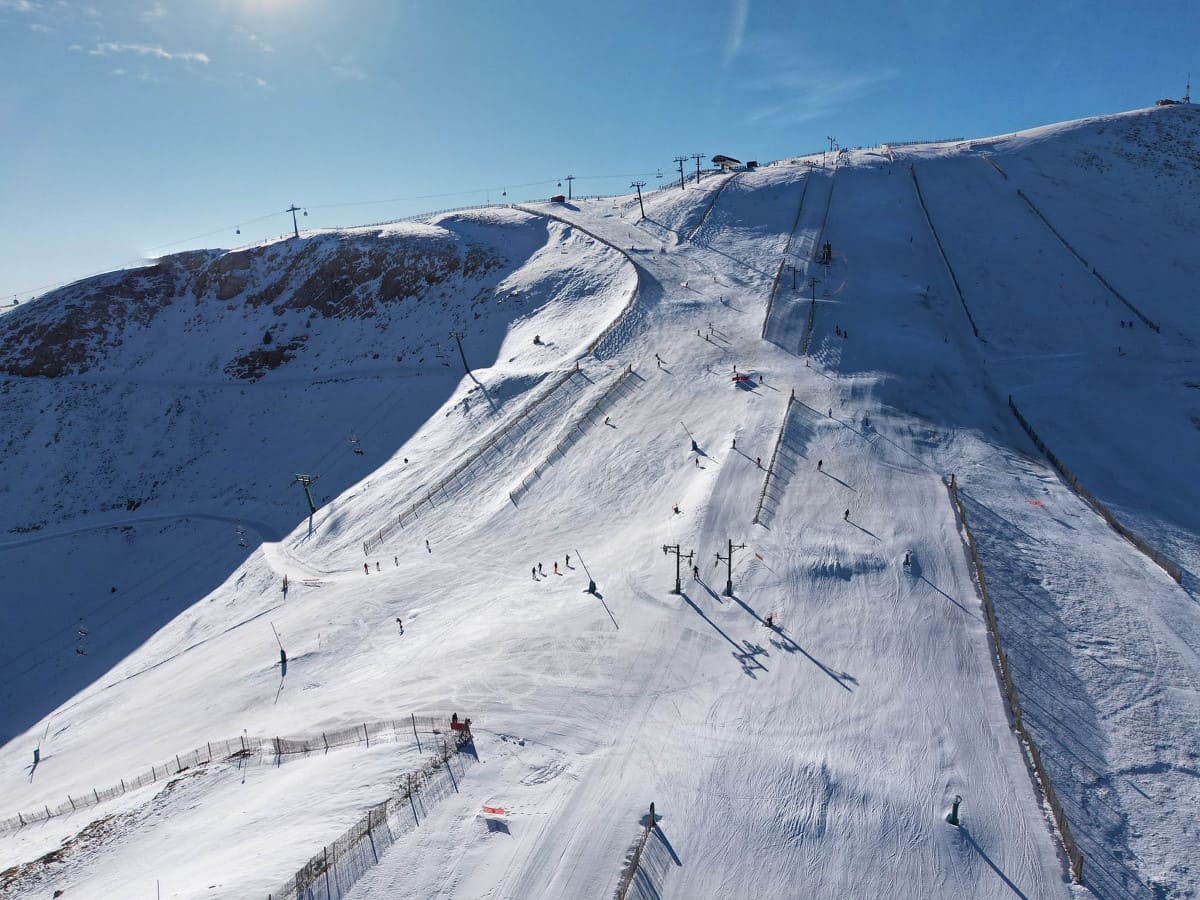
(593, 348)
(762, 497)
(1079, 256)
(949, 268)
(579, 428)
(711, 203)
(239, 748)
(1091, 500)
(1074, 855)
(787, 251)
(331, 873)
(635, 858)
(517, 426)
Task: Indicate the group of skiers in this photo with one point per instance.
(538, 570)
(367, 566)
(841, 332)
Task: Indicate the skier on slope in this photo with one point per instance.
(820, 462)
(534, 571)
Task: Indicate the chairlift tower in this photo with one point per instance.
(697, 157)
(307, 481)
(728, 559)
(679, 161)
(639, 185)
(674, 548)
(458, 336)
(293, 209)
(568, 180)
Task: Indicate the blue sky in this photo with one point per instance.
(137, 128)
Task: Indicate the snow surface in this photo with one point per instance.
(815, 756)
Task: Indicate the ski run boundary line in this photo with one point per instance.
(1172, 569)
(945, 259)
(1112, 290)
(240, 748)
(521, 418)
(332, 873)
(787, 412)
(712, 203)
(787, 251)
(592, 349)
(573, 433)
(1074, 857)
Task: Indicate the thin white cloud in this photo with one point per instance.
(350, 73)
(259, 44)
(117, 72)
(797, 96)
(21, 6)
(154, 13)
(783, 84)
(255, 80)
(39, 27)
(737, 30)
(109, 47)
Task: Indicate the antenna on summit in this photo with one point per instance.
(1187, 91)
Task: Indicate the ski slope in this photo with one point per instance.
(805, 736)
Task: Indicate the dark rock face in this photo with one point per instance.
(333, 276)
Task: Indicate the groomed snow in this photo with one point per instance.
(814, 756)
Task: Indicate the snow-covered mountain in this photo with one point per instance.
(805, 736)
